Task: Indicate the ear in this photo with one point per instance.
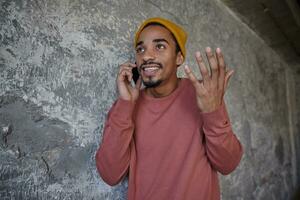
(179, 59)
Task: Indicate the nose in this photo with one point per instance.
(148, 55)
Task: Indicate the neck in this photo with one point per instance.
(164, 89)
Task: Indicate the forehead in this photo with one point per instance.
(152, 32)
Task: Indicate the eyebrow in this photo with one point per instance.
(155, 40)
(161, 40)
(139, 43)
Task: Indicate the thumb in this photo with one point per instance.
(138, 83)
(228, 75)
(190, 75)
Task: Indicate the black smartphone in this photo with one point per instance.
(135, 74)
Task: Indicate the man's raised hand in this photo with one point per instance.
(211, 89)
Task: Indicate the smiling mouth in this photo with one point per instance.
(150, 68)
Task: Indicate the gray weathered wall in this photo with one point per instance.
(58, 64)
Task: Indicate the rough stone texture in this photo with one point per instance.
(58, 64)
(296, 122)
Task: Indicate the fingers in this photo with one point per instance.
(218, 79)
(190, 75)
(203, 70)
(125, 75)
(125, 71)
(198, 86)
(213, 66)
(222, 68)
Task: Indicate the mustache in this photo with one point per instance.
(151, 63)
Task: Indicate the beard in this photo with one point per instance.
(152, 83)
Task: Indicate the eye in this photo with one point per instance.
(139, 49)
(160, 46)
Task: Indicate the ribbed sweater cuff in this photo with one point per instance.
(216, 122)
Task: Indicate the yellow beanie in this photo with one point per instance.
(179, 34)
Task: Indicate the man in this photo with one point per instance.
(173, 136)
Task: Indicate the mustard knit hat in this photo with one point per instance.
(178, 32)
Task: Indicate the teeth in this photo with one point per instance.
(150, 68)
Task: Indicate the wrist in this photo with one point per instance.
(128, 100)
(210, 108)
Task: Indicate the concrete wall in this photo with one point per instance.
(296, 123)
(58, 64)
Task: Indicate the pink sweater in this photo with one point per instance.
(171, 150)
